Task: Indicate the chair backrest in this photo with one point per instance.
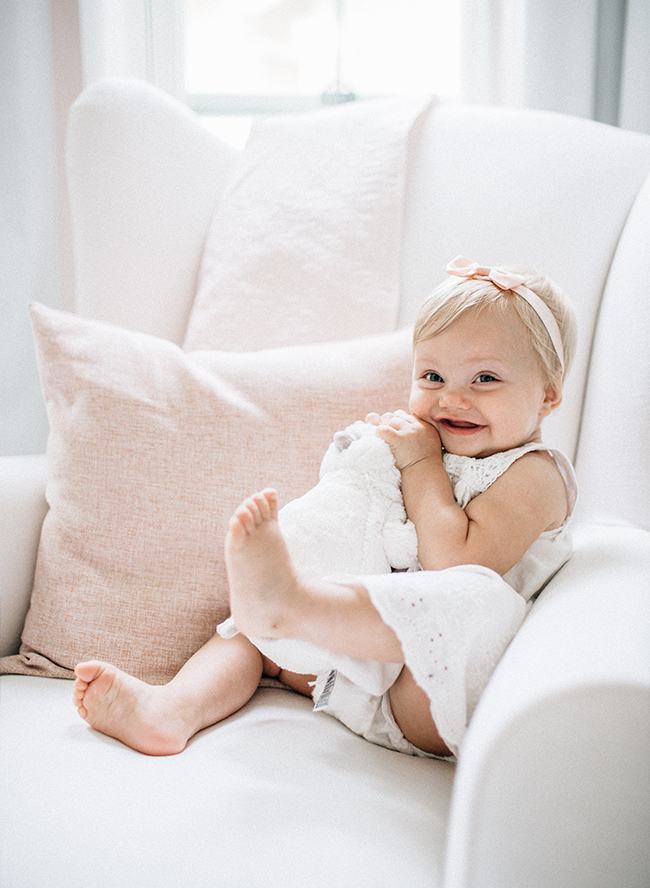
(144, 176)
(498, 185)
(613, 459)
(567, 196)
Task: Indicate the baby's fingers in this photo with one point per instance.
(384, 419)
(389, 433)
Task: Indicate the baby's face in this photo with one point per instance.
(480, 384)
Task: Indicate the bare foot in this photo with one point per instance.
(262, 578)
(140, 715)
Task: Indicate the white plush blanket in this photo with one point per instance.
(354, 520)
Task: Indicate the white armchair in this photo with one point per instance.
(552, 786)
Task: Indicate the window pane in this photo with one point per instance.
(296, 47)
(393, 47)
(259, 47)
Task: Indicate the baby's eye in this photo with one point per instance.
(433, 377)
(486, 377)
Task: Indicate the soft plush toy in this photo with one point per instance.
(352, 522)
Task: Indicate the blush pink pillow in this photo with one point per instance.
(150, 451)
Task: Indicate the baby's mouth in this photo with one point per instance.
(459, 425)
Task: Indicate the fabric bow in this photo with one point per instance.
(463, 267)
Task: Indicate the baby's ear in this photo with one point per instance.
(552, 395)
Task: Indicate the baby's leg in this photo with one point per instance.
(159, 719)
(270, 599)
(412, 713)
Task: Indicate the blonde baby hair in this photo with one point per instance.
(458, 295)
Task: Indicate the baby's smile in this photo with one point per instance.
(460, 427)
(460, 424)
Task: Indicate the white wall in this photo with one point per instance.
(40, 76)
(29, 266)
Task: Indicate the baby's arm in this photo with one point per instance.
(497, 527)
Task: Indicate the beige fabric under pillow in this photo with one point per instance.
(150, 451)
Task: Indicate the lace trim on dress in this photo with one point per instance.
(470, 475)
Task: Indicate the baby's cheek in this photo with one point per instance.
(418, 401)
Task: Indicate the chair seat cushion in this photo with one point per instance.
(276, 795)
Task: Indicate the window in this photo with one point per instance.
(249, 57)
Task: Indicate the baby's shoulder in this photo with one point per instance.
(535, 475)
(538, 463)
(544, 462)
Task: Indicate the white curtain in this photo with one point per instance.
(590, 58)
(133, 38)
(634, 107)
(29, 266)
(128, 38)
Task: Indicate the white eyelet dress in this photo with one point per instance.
(453, 625)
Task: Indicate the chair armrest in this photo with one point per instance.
(22, 510)
(552, 787)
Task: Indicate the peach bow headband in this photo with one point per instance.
(506, 280)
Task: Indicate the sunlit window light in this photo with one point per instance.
(251, 57)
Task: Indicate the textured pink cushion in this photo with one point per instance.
(150, 451)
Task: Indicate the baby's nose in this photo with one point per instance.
(454, 397)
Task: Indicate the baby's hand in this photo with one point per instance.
(410, 439)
